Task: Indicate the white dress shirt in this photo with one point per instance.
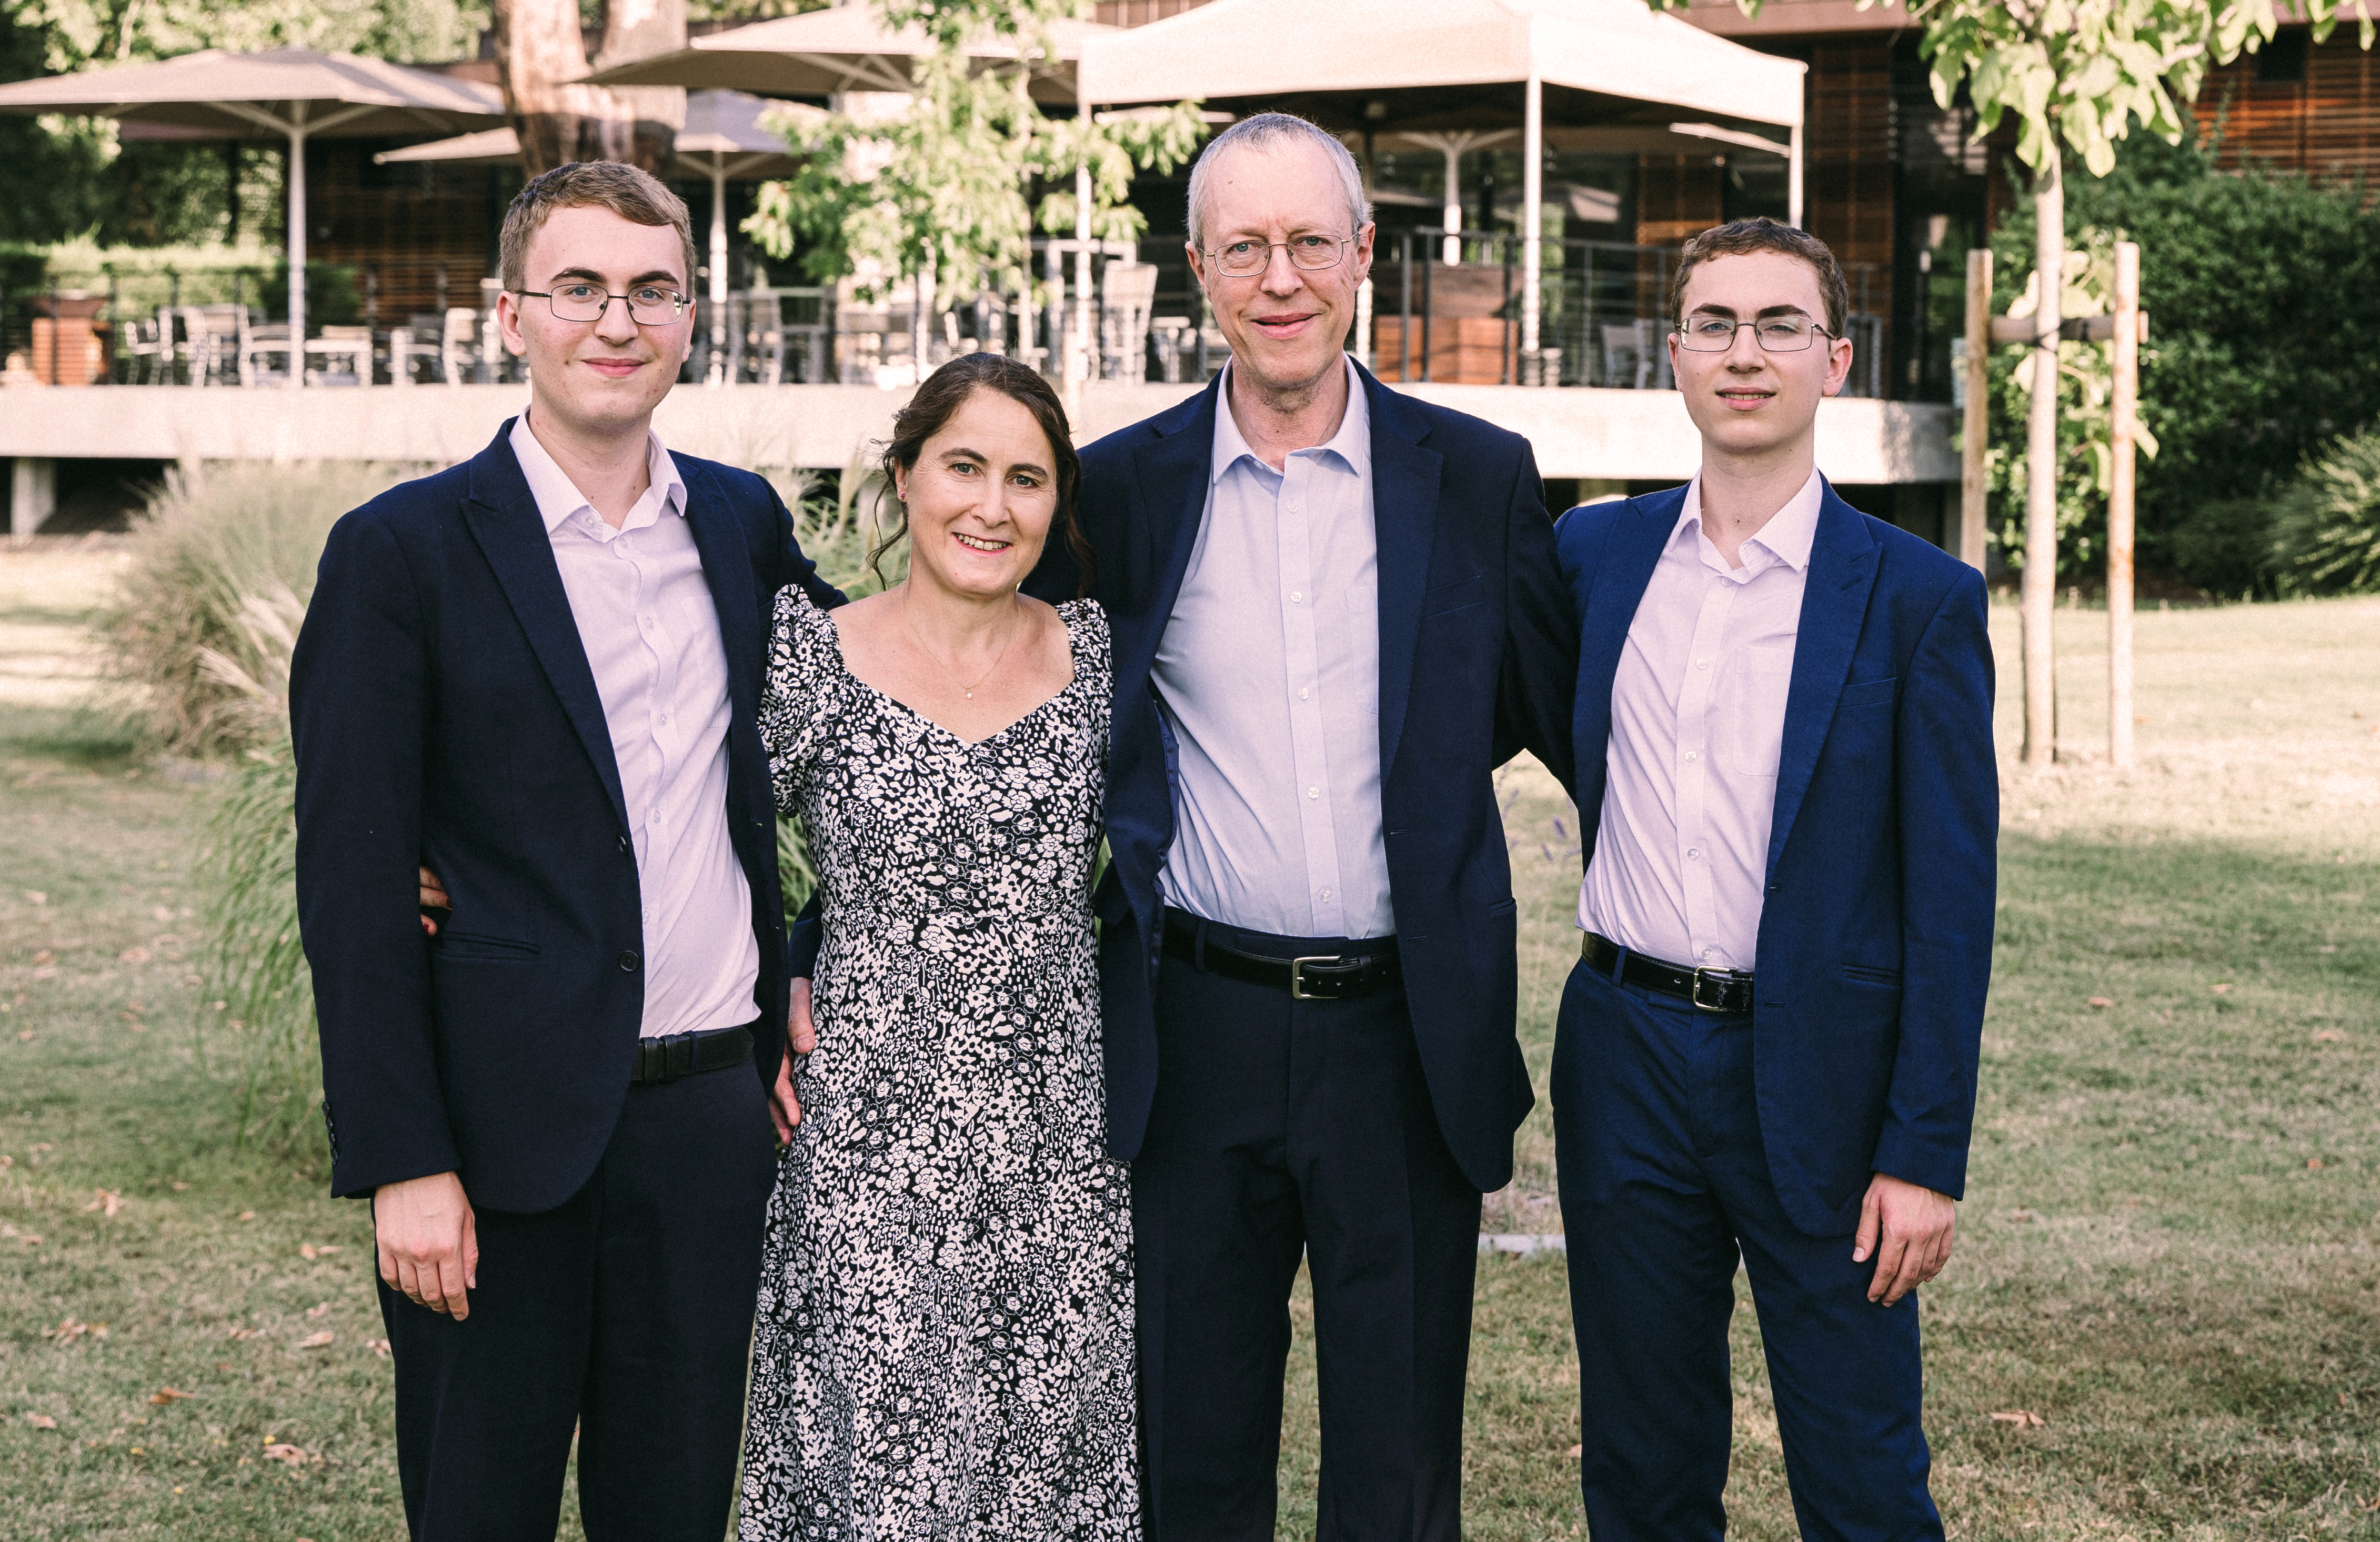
(1697, 720)
(651, 629)
(1268, 675)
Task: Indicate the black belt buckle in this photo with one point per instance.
(1718, 982)
(1297, 983)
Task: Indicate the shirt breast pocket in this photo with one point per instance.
(1752, 706)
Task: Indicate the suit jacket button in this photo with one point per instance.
(629, 962)
(626, 849)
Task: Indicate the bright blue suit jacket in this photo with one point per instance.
(1478, 658)
(445, 713)
(1875, 935)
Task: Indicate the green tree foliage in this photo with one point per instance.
(946, 184)
(2263, 289)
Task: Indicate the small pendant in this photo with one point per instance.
(970, 696)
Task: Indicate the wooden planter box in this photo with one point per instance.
(1463, 350)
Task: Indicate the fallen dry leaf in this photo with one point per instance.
(317, 1341)
(281, 1450)
(36, 897)
(1576, 1451)
(162, 912)
(133, 955)
(164, 1395)
(248, 1215)
(26, 1037)
(41, 1421)
(181, 1187)
(243, 1333)
(44, 956)
(306, 1251)
(2224, 989)
(66, 1331)
(108, 1200)
(2021, 1418)
(322, 1310)
(2100, 1001)
(2312, 1162)
(378, 1346)
(29, 1239)
(41, 1145)
(6, 1163)
(2328, 1036)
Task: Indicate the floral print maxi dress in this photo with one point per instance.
(944, 1345)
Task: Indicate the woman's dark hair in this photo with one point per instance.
(945, 391)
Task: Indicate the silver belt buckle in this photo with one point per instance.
(1297, 991)
(1718, 980)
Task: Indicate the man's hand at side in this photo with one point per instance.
(429, 1242)
(801, 1038)
(433, 897)
(1907, 1228)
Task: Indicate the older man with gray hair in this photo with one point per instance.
(1335, 613)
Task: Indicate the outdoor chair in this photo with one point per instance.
(260, 341)
(457, 342)
(1127, 290)
(413, 347)
(146, 348)
(1628, 349)
(1175, 337)
(350, 345)
(210, 345)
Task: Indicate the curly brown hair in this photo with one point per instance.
(945, 391)
(1738, 237)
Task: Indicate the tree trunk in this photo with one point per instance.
(641, 127)
(541, 52)
(2040, 589)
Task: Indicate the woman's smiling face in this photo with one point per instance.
(981, 497)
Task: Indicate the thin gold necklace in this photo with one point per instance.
(909, 621)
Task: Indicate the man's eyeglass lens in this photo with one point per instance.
(1313, 253)
(648, 304)
(1701, 334)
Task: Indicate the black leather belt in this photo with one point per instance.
(667, 1057)
(1708, 989)
(1312, 977)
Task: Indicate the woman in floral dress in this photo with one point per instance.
(945, 1339)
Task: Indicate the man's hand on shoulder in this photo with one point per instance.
(429, 1242)
(1907, 1228)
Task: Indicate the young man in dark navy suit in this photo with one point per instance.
(537, 674)
(1767, 1051)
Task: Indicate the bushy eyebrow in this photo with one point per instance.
(590, 275)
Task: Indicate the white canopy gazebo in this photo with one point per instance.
(728, 137)
(1421, 68)
(292, 93)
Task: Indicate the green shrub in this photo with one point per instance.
(2326, 528)
(208, 543)
(2263, 292)
(2225, 547)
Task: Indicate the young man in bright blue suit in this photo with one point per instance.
(1335, 613)
(1767, 1051)
(539, 673)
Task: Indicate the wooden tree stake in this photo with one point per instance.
(1973, 499)
(2119, 505)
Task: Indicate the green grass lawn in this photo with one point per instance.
(2170, 1251)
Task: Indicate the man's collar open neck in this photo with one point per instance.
(1277, 424)
(610, 468)
(1746, 492)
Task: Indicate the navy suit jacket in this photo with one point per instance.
(445, 713)
(1876, 933)
(1479, 655)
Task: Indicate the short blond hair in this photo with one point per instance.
(639, 197)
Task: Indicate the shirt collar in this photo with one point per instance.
(558, 497)
(1352, 444)
(1788, 535)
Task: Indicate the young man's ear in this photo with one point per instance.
(1838, 363)
(508, 325)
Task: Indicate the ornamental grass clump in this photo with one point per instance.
(2326, 529)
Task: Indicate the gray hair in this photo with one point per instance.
(1263, 132)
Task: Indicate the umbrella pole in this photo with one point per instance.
(1794, 181)
(296, 357)
(718, 371)
(1532, 156)
(1084, 343)
(1452, 145)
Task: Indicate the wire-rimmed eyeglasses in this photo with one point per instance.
(650, 305)
(1246, 258)
(1704, 332)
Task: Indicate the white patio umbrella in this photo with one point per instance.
(297, 93)
(826, 53)
(726, 138)
(1441, 52)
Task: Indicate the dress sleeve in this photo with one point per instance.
(792, 695)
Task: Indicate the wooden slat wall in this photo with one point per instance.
(403, 225)
(2326, 125)
(1140, 13)
(1677, 196)
(1849, 141)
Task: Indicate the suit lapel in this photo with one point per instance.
(1834, 606)
(1633, 549)
(504, 519)
(1170, 474)
(727, 567)
(1405, 478)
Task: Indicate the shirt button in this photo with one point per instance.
(629, 961)
(1693, 852)
(1301, 693)
(1702, 663)
(1325, 893)
(1692, 756)
(1296, 597)
(1708, 951)
(1313, 792)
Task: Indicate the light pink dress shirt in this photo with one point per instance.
(651, 629)
(1697, 720)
